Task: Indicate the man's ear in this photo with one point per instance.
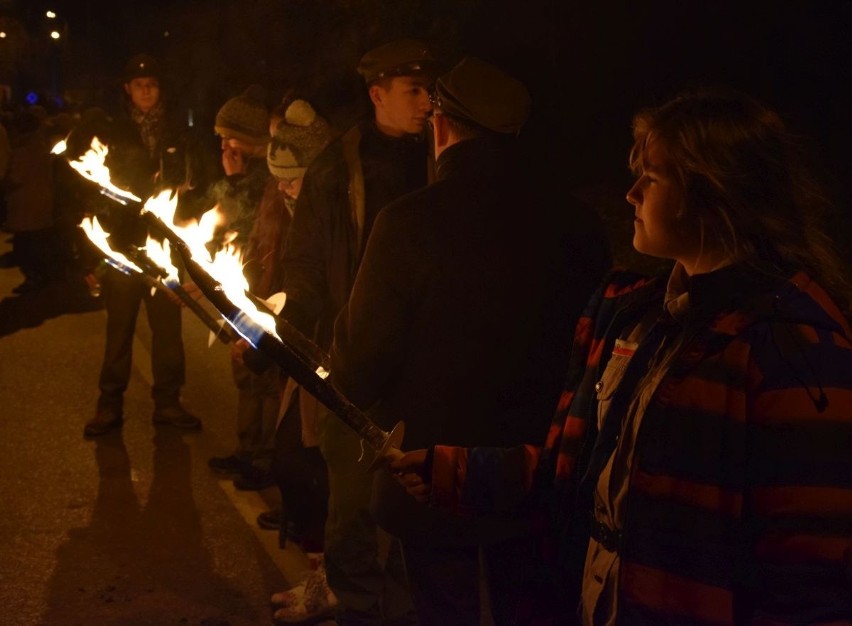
(127, 88)
(442, 130)
(377, 95)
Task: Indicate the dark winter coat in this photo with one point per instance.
(344, 188)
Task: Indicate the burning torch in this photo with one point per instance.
(272, 335)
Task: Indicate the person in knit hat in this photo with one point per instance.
(242, 123)
(245, 195)
(297, 141)
(245, 118)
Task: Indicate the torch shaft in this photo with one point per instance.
(297, 355)
(149, 269)
(221, 332)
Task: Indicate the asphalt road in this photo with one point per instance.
(133, 528)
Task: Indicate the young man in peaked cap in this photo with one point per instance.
(373, 163)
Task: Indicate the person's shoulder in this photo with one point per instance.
(328, 163)
(619, 282)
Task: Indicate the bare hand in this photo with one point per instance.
(233, 161)
(238, 348)
(407, 470)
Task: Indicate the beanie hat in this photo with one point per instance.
(485, 95)
(245, 117)
(141, 66)
(298, 139)
(405, 57)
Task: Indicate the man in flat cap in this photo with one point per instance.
(376, 161)
(462, 308)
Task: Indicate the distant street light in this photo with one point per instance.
(54, 34)
(50, 15)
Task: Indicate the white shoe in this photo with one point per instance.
(289, 597)
(315, 602)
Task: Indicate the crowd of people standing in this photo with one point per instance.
(582, 444)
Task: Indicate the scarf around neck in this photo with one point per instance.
(149, 124)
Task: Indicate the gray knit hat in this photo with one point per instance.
(245, 117)
(298, 139)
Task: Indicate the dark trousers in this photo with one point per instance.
(123, 296)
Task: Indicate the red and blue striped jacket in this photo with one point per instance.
(739, 507)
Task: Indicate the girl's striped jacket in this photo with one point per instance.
(739, 507)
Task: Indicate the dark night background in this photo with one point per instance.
(589, 65)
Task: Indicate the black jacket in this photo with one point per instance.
(463, 308)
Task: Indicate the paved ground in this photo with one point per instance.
(131, 529)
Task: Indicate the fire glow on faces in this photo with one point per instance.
(404, 106)
(144, 92)
(660, 226)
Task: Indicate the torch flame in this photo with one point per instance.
(98, 236)
(91, 167)
(225, 266)
(162, 205)
(59, 147)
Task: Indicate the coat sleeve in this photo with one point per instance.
(483, 480)
(305, 253)
(798, 500)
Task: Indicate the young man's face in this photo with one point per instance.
(402, 104)
(144, 92)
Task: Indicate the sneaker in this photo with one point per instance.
(316, 602)
(254, 479)
(233, 464)
(105, 420)
(176, 416)
(289, 597)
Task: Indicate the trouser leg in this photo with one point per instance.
(122, 296)
(167, 356)
(363, 567)
(258, 403)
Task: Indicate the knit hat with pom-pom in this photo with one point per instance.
(298, 139)
(245, 117)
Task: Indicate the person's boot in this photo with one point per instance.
(106, 420)
(177, 416)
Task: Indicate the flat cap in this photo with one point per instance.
(404, 57)
(479, 92)
(141, 66)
